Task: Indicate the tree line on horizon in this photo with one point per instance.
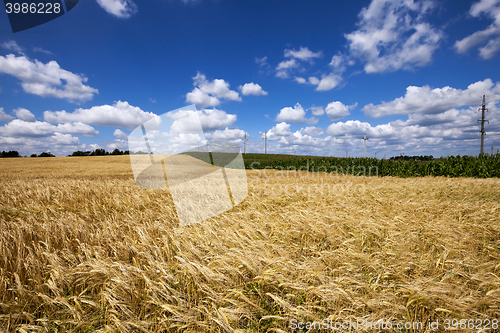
(100, 152)
(14, 153)
(412, 158)
(97, 152)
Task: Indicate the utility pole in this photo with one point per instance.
(365, 138)
(265, 139)
(483, 133)
(346, 154)
(375, 155)
(491, 150)
(245, 146)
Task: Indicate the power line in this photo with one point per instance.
(245, 147)
(483, 133)
(265, 140)
(365, 138)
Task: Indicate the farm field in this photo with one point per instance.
(485, 166)
(82, 248)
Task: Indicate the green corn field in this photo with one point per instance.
(484, 166)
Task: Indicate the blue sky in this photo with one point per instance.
(315, 75)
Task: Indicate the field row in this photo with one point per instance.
(452, 166)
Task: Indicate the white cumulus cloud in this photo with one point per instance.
(281, 129)
(47, 80)
(208, 93)
(284, 68)
(201, 98)
(337, 110)
(433, 101)
(4, 117)
(119, 8)
(489, 36)
(12, 45)
(297, 115)
(304, 141)
(76, 128)
(348, 127)
(252, 89)
(213, 119)
(448, 133)
(18, 128)
(261, 61)
(121, 114)
(24, 114)
(393, 35)
(228, 134)
(312, 131)
(118, 133)
(58, 144)
(300, 80)
(303, 54)
(39, 49)
(210, 119)
(317, 110)
(328, 82)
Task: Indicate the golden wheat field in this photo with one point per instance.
(83, 249)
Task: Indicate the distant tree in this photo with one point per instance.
(78, 153)
(11, 153)
(117, 152)
(99, 152)
(412, 158)
(44, 154)
(126, 152)
(34, 155)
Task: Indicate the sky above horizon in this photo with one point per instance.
(314, 75)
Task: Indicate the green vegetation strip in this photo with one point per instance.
(484, 166)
